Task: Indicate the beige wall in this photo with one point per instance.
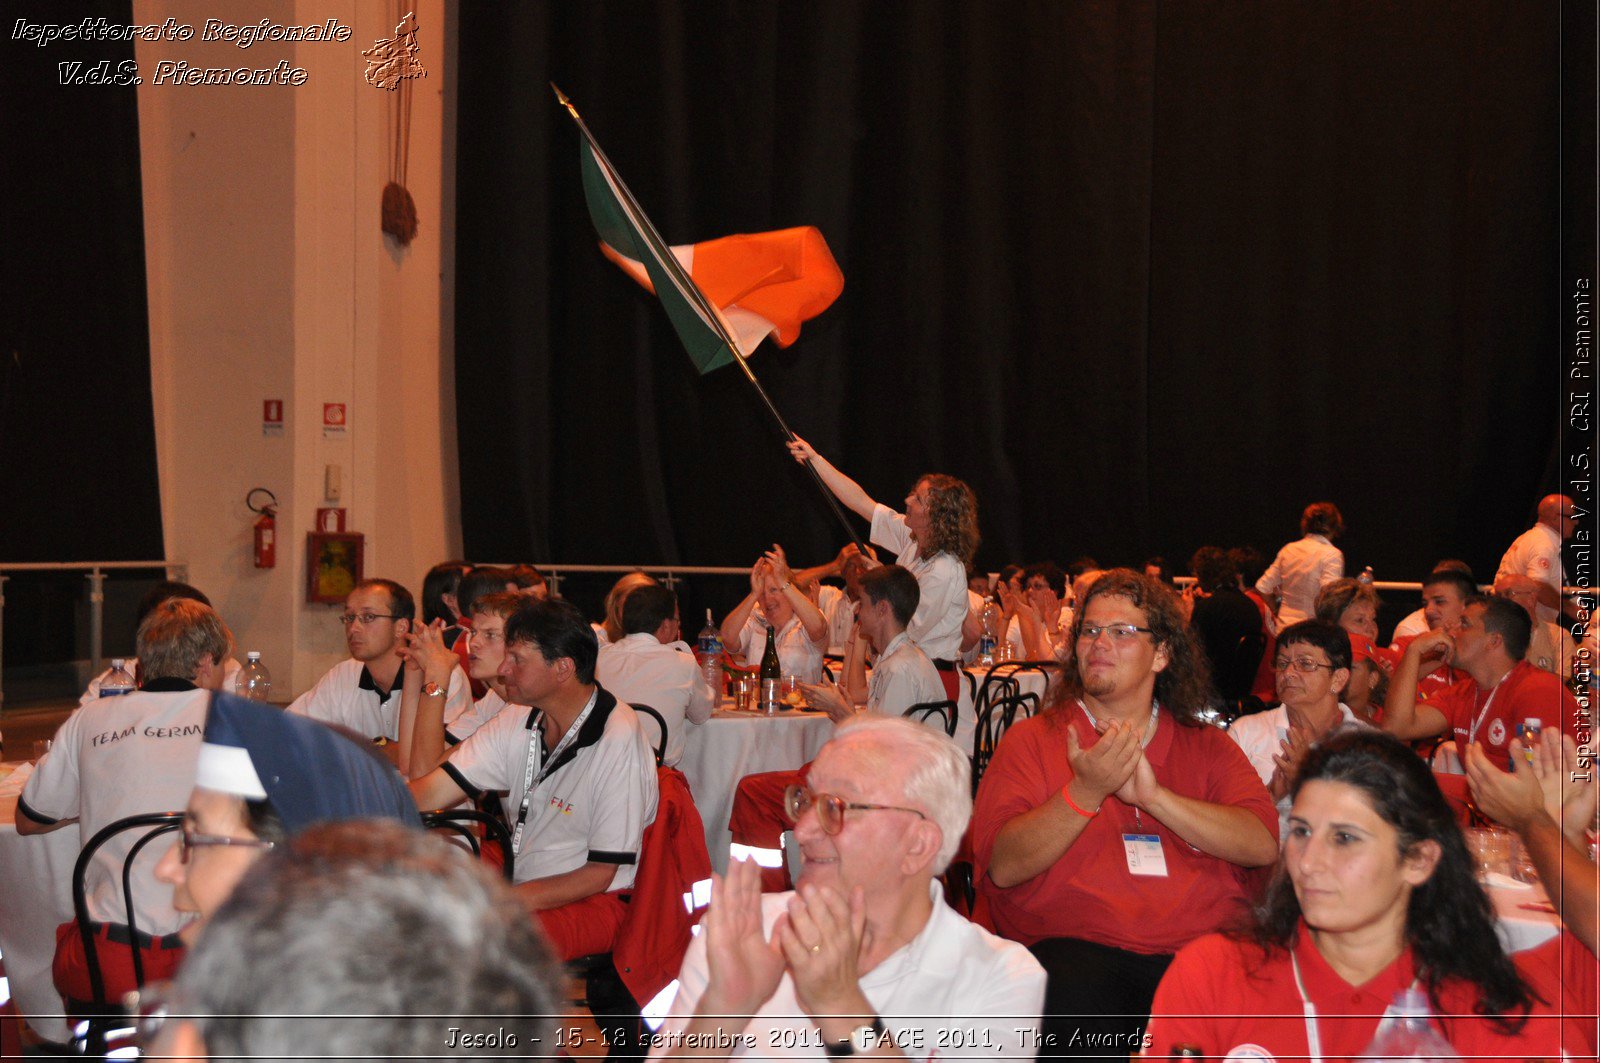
(270, 278)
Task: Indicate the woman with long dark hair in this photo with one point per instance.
(1374, 894)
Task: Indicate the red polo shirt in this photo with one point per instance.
(1525, 691)
(1089, 893)
(1567, 976)
(1224, 995)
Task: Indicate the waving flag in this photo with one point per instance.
(762, 284)
(722, 296)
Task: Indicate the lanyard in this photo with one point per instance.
(1472, 732)
(1313, 1033)
(546, 764)
(1149, 736)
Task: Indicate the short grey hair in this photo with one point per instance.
(395, 931)
(938, 776)
(176, 634)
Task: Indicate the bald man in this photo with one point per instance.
(1549, 645)
(1537, 553)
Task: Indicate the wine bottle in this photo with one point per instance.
(771, 674)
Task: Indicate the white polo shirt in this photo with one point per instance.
(1260, 736)
(841, 613)
(594, 803)
(942, 609)
(641, 670)
(1300, 570)
(797, 654)
(954, 980)
(346, 695)
(479, 713)
(117, 757)
(1537, 553)
(903, 677)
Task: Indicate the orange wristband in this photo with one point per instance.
(1074, 805)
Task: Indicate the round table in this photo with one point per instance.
(731, 745)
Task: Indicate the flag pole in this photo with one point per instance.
(669, 261)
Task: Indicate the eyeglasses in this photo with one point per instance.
(1118, 632)
(366, 618)
(188, 841)
(831, 808)
(1303, 665)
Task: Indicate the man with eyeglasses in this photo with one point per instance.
(1313, 666)
(1500, 693)
(364, 692)
(125, 756)
(865, 957)
(1537, 553)
(1115, 827)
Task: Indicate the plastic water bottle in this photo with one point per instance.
(709, 651)
(118, 681)
(991, 634)
(1365, 579)
(253, 681)
(1407, 1032)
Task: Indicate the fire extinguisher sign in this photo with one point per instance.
(271, 417)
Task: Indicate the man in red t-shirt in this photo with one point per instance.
(1114, 828)
(1501, 690)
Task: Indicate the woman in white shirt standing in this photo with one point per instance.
(1302, 567)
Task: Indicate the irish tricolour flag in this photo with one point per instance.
(737, 289)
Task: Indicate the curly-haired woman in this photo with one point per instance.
(935, 539)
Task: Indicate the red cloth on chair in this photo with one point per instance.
(758, 819)
(656, 930)
(70, 970)
(585, 926)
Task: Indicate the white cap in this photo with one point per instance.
(253, 655)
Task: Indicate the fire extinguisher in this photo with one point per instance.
(266, 536)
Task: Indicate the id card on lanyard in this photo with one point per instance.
(1142, 851)
(535, 771)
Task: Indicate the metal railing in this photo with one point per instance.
(95, 573)
(671, 575)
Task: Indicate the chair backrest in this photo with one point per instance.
(945, 711)
(670, 891)
(460, 822)
(1000, 681)
(661, 729)
(154, 824)
(992, 725)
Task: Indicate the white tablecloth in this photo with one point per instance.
(1519, 927)
(35, 897)
(731, 745)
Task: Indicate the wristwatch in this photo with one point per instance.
(863, 1038)
(432, 690)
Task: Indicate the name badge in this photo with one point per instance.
(1144, 855)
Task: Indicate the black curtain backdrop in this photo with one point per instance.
(77, 431)
(1146, 275)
